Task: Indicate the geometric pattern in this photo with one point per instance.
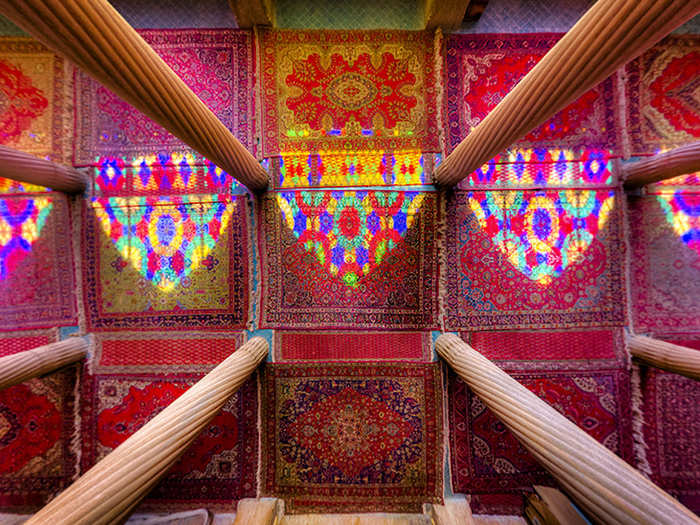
(348, 90)
(34, 99)
(353, 437)
(534, 259)
(216, 64)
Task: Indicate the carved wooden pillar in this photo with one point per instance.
(17, 165)
(19, 367)
(93, 35)
(674, 358)
(601, 483)
(109, 491)
(609, 34)
(679, 161)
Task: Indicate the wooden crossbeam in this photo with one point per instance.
(679, 161)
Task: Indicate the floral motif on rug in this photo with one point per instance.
(36, 431)
(348, 90)
(487, 459)
(349, 438)
(216, 64)
(344, 346)
(350, 259)
(219, 467)
(663, 104)
(154, 262)
(482, 69)
(671, 405)
(36, 270)
(33, 99)
(356, 168)
(534, 259)
(163, 174)
(665, 263)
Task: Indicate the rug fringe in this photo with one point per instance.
(76, 437)
(623, 133)
(440, 89)
(76, 234)
(639, 445)
(254, 264)
(68, 114)
(441, 234)
(627, 263)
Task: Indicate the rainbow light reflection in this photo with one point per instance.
(21, 222)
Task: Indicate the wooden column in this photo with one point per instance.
(17, 165)
(19, 367)
(109, 491)
(674, 358)
(609, 34)
(91, 34)
(603, 485)
(679, 161)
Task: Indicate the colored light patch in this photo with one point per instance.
(14, 186)
(164, 239)
(544, 232)
(682, 212)
(349, 233)
(360, 168)
(544, 167)
(21, 222)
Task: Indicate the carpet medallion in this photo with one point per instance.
(348, 90)
(349, 259)
(482, 69)
(155, 262)
(37, 287)
(135, 376)
(534, 259)
(665, 263)
(353, 438)
(216, 64)
(33, 99)
(36, 431)
(671, 405)
(488, 460)
(663, 104)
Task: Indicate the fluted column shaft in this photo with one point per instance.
(23, 167)
(679, 161)
(609, 34)
(110, 490)
(19, 367)
(93, 35)
(674, 358)
(604, 485)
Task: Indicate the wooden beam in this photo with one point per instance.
(679, 161)
(667, 356)
(603, 485)
(108, 492)
(609, 34)
(447, 14)
(93, 35)
(23, 167)
(19, 367)
(249, 13)
(262, 511)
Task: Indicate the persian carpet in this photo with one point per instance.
(665, 263)
(339, 346)
(671, 405)
(155, 262)
(578, 350)
(37, 286)
(134, 377)
(663, 105)
(14, 342)
(356, 168)
(487, 460)
(482, 69)
(348, 90)
(36, 431)
(35, 114)
(353, 437)
(361, 259)
(176, 173)
(534, 259)
(216, 64)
